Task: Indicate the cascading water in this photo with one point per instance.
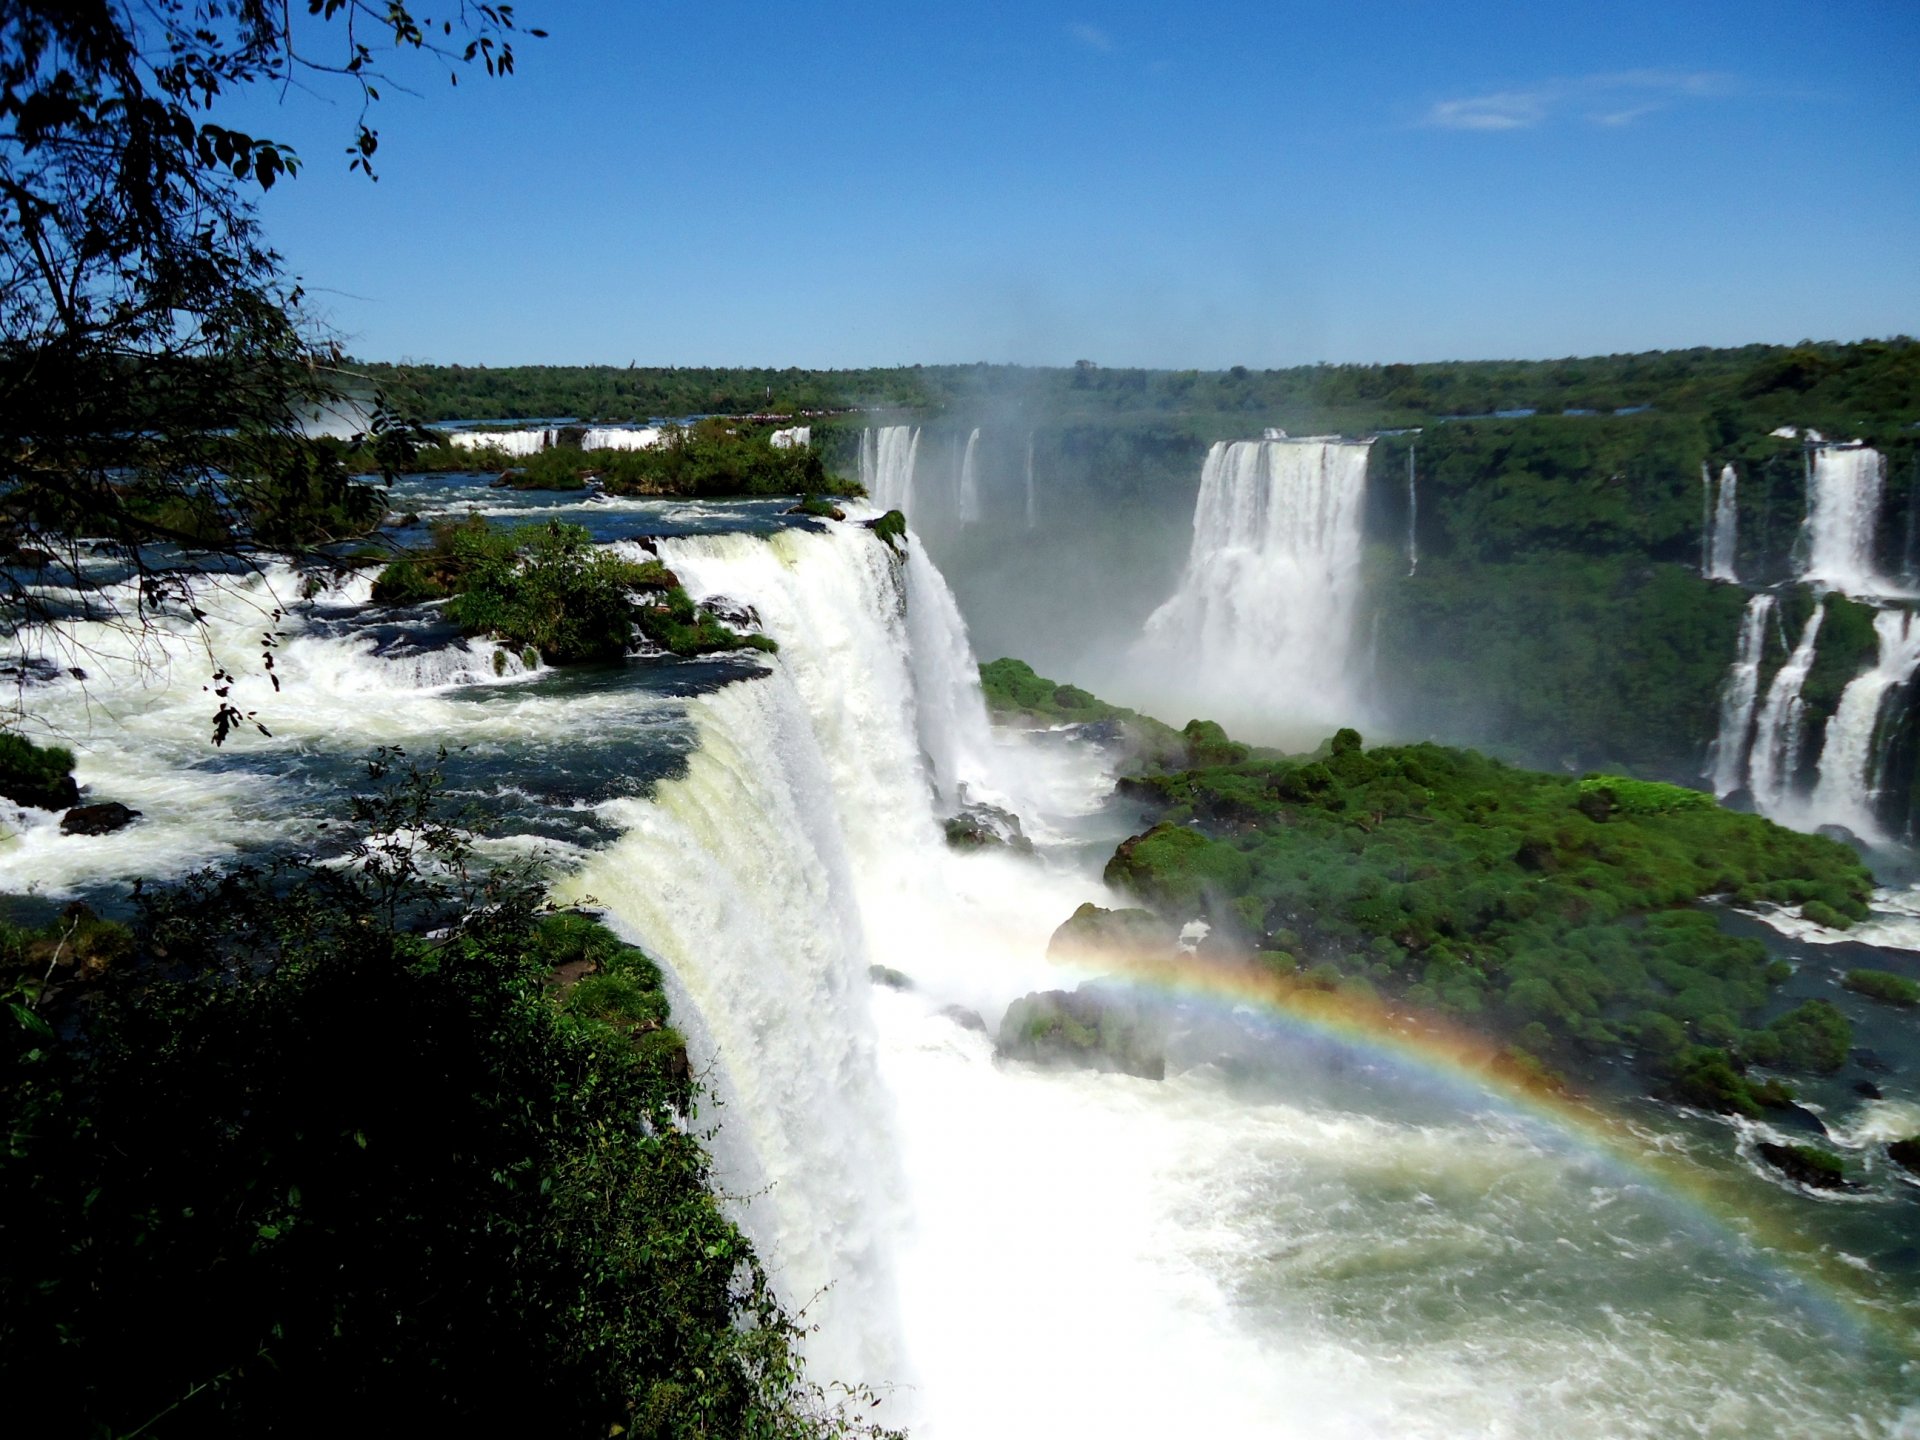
(1260, 627)
(1738, 697)
(1845, 792)
(518, 443)
(968, 505)
(621, 437)
(1844, 485)
(1777, 735)
(1724, 527)
(888, 454)
(1413, 517)
(1030, 511)
(793, 437)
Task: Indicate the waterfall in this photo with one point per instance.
(621, 437)
(1776, 740)
(1845, 793)
(1844, 485)
(888, 454)
(1413, 517)
(969, 506)
(1723, 525)
(1030, 480)
(1260, 625)
(518, 443)
(1738, 696)
(793, 437)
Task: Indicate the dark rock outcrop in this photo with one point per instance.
(963, 1017)
(978, 826)
(1906, 1153)
(1806, 1165)
(101, 819)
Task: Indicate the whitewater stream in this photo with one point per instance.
(1307, 1239)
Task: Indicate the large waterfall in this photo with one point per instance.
(1844, 485)
(1738, 697)
(1259, 630)
(1847, 790)
(888, 454)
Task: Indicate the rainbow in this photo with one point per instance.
(1474, 1071)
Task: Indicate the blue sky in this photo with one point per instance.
(1202, 184)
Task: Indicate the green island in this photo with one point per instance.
(416, 1145)
(1555, 916)
(549, 591)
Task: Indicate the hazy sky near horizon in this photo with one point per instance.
(1205, 184)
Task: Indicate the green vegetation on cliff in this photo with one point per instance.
(367, 1146)
(551, 589)
(1552, 913)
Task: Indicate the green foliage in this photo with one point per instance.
(551, 589)
(1208, 745)
(1012, 689)
(1500, 897)
(345, 1148)
(890, 527)
(1883, 985)
(40, 776)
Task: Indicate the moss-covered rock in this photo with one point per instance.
(1094, 1026)
(1883, 985)
(1178, 868)
(37, 776)
(890, 527)
(1093, 936)
(1807, 1165)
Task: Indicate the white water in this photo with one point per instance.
(1722, 533)
(1776, 740)
(1030, 510)
(1844, 485)
(622, 437)
(793, 437)
(518, 443)
(888, 454)
(1738, 696)
(968, 505)
(1845, 793)
(1259, 630)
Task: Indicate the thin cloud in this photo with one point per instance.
(1613, 100)
(1093, 37)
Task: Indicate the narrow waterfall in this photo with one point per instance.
(1777, 736)
(1260, 627)
(1844, 485)
(1724, 527)
(1845, 793)
(888, 454)
(969, 500)
(1030, 480)
(1413, 517)
(1738, 697)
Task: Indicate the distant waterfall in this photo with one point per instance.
(622, 437)
(1844, 485)
(793, 437)
(1413, 517)
(969, 499)
(517, 443)
(1030, 480)
(1845, 793)
(1723, 523)
(1738, 697)
(1777, 737)
(887, 458)
(1260, 627)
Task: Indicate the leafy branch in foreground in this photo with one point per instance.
(374, 1143)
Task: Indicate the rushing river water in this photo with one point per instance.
(1291, 1235)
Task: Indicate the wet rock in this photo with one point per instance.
(1806, 1165)
(886, 975)
(101, 819)
(726, 609)
(1843, 835)
(979, 825)
(963, 1017)
(1869, 1061)
(1868, 1089)
(1906, 1153)
(1092, 935)
(1094, 1027)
